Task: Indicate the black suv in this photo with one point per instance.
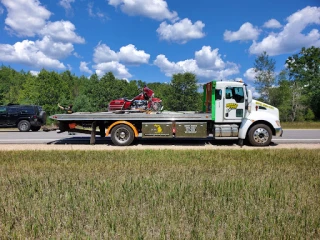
(25, 117)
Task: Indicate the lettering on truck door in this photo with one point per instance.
(234, 104)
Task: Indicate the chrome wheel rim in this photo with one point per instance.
(122, 135)
(261, 135)
(24, 126)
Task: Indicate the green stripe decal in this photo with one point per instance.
(204, 98)
(213, 101)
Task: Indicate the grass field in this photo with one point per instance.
(258, 194)
(300, 125)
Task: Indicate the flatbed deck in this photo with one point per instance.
(129, 115)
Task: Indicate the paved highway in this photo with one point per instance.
(16, 137)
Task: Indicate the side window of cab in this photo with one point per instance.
(229, 94)
(218, 94)
(235, 93)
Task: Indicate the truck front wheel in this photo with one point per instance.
(122, 135)
(260, 135)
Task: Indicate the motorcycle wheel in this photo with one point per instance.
(156, 106)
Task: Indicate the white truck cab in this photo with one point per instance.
(233, 110)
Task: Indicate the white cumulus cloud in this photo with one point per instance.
(272, 23)
(208, 59)
(108, 60)
(57, 50)
(66, 4)
(25, 18)
(155, 9)
(291, 38)
(246, 32)
(31, 19)
(182, 31)
(62, 31)
(102, 53)
(130, 55)
(127, 55)
(84, 67)
(250, 74)
(34, 73)
(192, 65)
(28, 53)
(118, 69)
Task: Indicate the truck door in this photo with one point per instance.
(234, 104)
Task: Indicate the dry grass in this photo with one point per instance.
(259, 194)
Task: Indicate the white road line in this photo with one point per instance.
(30, 140)
(276, 139)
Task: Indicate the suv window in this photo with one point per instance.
(13, 110)
(27, 110)
(3, 109)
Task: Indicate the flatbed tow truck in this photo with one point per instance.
(228, 111)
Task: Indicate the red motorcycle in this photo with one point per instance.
(144, 101)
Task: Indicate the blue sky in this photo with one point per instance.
(153, 39)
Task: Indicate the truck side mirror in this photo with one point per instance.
(249, 96)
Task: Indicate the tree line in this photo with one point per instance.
(92, 94)
(295, 90)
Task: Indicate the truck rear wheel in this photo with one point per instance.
(260, 135)
(122, 135)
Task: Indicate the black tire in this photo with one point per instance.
(122, 135)
(35, 128)
(24, 126)
(43, 116)
(260, 135)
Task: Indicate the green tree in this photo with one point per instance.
(68, 80)
(304, 69)
(264, 68)
(11, 83)
(162, 91)
(183, 93)
(288, 98)
(50, 88)
(82, 103)
(131, 89)
(108, 90)
(29, 93)
(91, 90)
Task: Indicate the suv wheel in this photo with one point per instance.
(35, 129)
(24, 126)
